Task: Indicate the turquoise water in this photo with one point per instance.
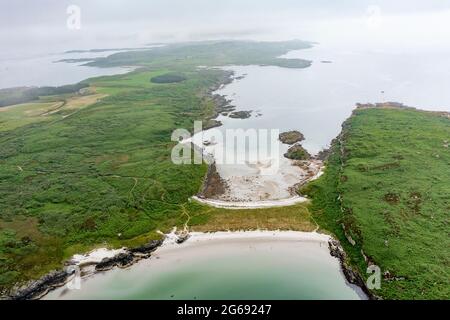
(224, 269)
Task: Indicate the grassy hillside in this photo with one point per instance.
(81, 170)
(210, 53)
(388, 183)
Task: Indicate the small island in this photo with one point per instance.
(291, 137)
(297, 152)
(240, 114)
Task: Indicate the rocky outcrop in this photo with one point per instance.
(40, 287)
(214, 185)
(54, 279)
(221, 103)
(122, 260)
(182, 237)
(125, 259)
(291, 137)
(211, 123)
(350, 273)
(147, 248)
(297, 152)
(240, 114)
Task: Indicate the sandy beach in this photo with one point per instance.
(223, 264)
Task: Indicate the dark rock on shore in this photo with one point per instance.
(240, 77)
(40, 287)
(228, 108)
(227, 79)
(121, 260)
(350, 274)
(147, 248)
(240, 114)
(182, 238)
(291, 137)
(221, 102)
(297, 152)
(211, 123)
(214, 185)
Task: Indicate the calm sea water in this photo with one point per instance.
(44, 70)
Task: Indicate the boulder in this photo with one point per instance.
(148, 247)
(297, 152)
(291, 137)
(121, 260)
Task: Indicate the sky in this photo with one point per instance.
(40, 26)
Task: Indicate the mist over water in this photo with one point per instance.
(47, 70)
(415, 31)
(31, 28)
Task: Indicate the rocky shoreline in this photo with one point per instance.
(213, 185)
(352, 275)
(37, 289)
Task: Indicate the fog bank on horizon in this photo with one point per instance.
(32, 27)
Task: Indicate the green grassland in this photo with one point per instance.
(94, 169)
(388, 183)
(212, 53)
(296, 217)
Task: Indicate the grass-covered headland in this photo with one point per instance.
(80, 169)
(386, 194)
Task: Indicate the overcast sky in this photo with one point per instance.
(28, 26)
